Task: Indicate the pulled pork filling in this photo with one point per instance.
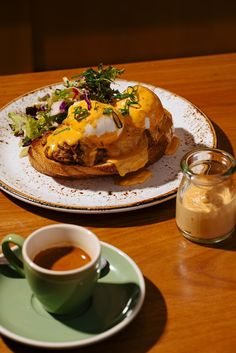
(77, 154)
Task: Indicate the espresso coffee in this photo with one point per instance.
(62, 258)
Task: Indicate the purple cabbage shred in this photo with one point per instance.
(63, 107)
(42, 108)
(87, 100)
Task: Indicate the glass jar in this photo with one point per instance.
(206, 202)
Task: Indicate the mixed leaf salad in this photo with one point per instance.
(49, 111)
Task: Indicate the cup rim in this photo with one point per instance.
(45, 271)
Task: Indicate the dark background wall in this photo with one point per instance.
(42, 35)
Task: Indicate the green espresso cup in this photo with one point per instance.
(60, 292)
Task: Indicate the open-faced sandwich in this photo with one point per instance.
(89, 129)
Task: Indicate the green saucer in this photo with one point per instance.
(117, 298)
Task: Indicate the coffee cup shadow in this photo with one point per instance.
(9, 272)
(150, 323)
(111, 303)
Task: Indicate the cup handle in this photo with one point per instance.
(14, 260)
(104, 267)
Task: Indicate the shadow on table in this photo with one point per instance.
(223, 142)
(228, 244)
(138, 337)
(153, 214)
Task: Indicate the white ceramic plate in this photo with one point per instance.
(101, 195)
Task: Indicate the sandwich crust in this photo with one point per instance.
(43, 164)
(39, 160)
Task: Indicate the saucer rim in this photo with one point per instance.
(99, 337)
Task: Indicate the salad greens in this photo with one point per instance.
(97, 83)
(50, 110)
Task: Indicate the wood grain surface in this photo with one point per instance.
(190, 303)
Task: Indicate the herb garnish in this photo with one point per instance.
(96, 107)
(131, 93)
(115, 116)
(97, 83)
(108, 111)
(80, 113)
(58, 132)
(132, 100)
(117, 120)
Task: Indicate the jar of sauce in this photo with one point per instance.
(206, 201)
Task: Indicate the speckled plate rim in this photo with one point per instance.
(89, 210)
(99, 337)
(108, 209)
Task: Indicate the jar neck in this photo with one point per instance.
(208, 166)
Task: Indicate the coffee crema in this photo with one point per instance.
(62, 258)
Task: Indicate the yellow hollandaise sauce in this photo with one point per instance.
(61, 135)
(173, 146)
(144, 107)
(100, 126)
(131, 163)
(135, 178)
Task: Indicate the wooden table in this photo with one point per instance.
(190, 302)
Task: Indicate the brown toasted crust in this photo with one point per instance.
(50, 167)
(53, 168)
(157, 149)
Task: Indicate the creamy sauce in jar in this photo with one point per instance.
(206, 212)
(206, 198)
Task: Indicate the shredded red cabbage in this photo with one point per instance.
(63, 107)
(42, 108)
(87, 99)
(76, 92)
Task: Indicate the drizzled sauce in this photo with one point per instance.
(135, 178)
(173, 146)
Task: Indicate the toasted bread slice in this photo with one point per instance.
(53, 168)
(43, 164)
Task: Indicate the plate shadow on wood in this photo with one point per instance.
(223, 142)
(149, 215)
